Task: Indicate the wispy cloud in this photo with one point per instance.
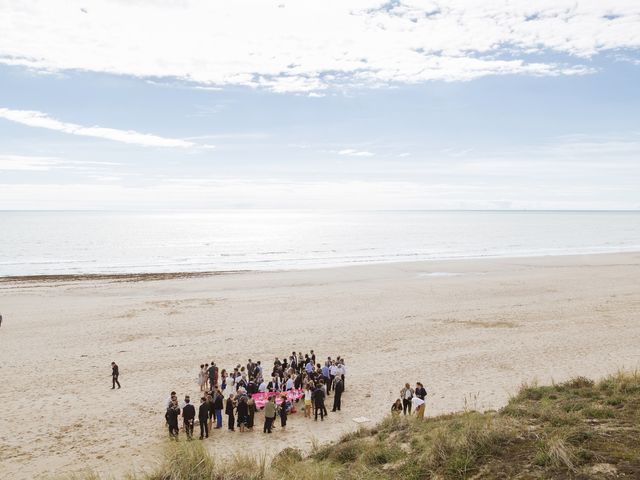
(351, 152)
(11, 162)
(28, 163)
(293, 46)
(38, 119)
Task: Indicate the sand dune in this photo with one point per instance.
(471, 330)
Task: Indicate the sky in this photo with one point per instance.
(349, 104)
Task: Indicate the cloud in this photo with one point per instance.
(367, 195)
(34, 118)
(11, 162)
(350, 152)
(28, 163)
(305, 46)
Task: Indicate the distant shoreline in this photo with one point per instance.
(159, 276)
(119, 277)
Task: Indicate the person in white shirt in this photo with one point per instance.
(418, 406)
(340, 372)
(289, 384)
(169, 401)
(262, 387)
(333, 371)
(406, 394)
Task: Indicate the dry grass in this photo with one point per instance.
(576, 429)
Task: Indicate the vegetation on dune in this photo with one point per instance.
(578, 429)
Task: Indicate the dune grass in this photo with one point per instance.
(577, 429)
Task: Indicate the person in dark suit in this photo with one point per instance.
(318, 403)
(171, 416)
(188, 416)
(211, 412)
(218, 402)
(115, 372)
(338, 388)
(229, 408)
(203, 418)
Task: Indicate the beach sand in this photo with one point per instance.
(471, 330)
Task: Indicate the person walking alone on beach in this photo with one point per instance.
(188, 416)
(171, 416)
(115, 372)
(203, 418)
(269, 415)
(406, 394)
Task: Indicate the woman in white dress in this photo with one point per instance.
(202, 378)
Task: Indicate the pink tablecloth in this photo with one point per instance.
(262, 397)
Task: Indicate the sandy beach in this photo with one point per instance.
(471, 330)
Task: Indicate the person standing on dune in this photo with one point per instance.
(407, 395)
(115, 372)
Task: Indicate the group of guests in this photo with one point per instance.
(410, 398)
(233, 391)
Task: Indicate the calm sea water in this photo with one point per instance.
(101, 242)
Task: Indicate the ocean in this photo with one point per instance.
(79, 242)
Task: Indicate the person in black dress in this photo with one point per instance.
(243, 413)
(251, 405)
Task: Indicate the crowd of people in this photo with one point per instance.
(240, 393)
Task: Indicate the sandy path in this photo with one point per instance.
(471, 337)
